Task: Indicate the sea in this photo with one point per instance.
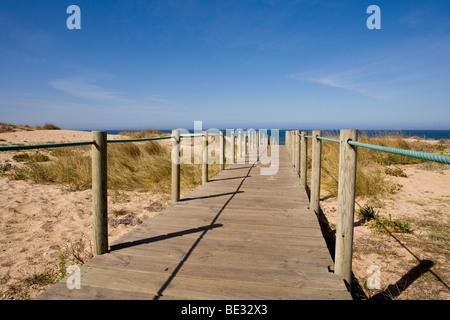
(425, 134)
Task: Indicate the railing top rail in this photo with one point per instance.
(81, 143)
(72, 144)
(191, 135)
(328, 139)
(404, 152)
(409, 153)
(139, 140)
(45, 146)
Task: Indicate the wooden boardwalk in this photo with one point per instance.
(240, 236)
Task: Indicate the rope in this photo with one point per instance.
(193, 135)
(72, 144)
(323, 138)
(409, 153)
(140, 140)
(328, 139)
(45, 146)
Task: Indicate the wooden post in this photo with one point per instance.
(245, 143)
(303, 159)
(293, 147)
(232, 148)
(205, 157)
(288, 145)
(297, 151)
(258, 139)
(222, 150)
(239, 145)
(175, 166)
(315, 171)
(100, 192)
(346, 206)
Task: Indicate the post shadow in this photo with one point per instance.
(163, 237)
(223, 179)
(211, 196)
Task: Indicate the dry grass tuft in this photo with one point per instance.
(48, 126)
(6, 127)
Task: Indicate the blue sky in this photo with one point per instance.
(232, 64)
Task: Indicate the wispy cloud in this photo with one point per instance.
(23, 103)
(351, 79)
(383, 78)
(81, 88)
(98, 97)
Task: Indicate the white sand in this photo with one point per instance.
(39, 221)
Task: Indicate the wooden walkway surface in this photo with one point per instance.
(243, 235)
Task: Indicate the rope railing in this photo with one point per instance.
(45, 146)
(139, 140)
(404, 152)
(74, 144)
(328, 139)
(296, 145)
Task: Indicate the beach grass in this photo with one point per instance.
(140, 166)
(7, 127)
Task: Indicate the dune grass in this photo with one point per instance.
(48, 126)
(141, 166)
(7, 127)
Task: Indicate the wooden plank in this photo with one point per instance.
(148, 283)
(235, 224)
(278, 272)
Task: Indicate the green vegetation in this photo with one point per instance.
(368, 213)
(382, 224)
(391, 225)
